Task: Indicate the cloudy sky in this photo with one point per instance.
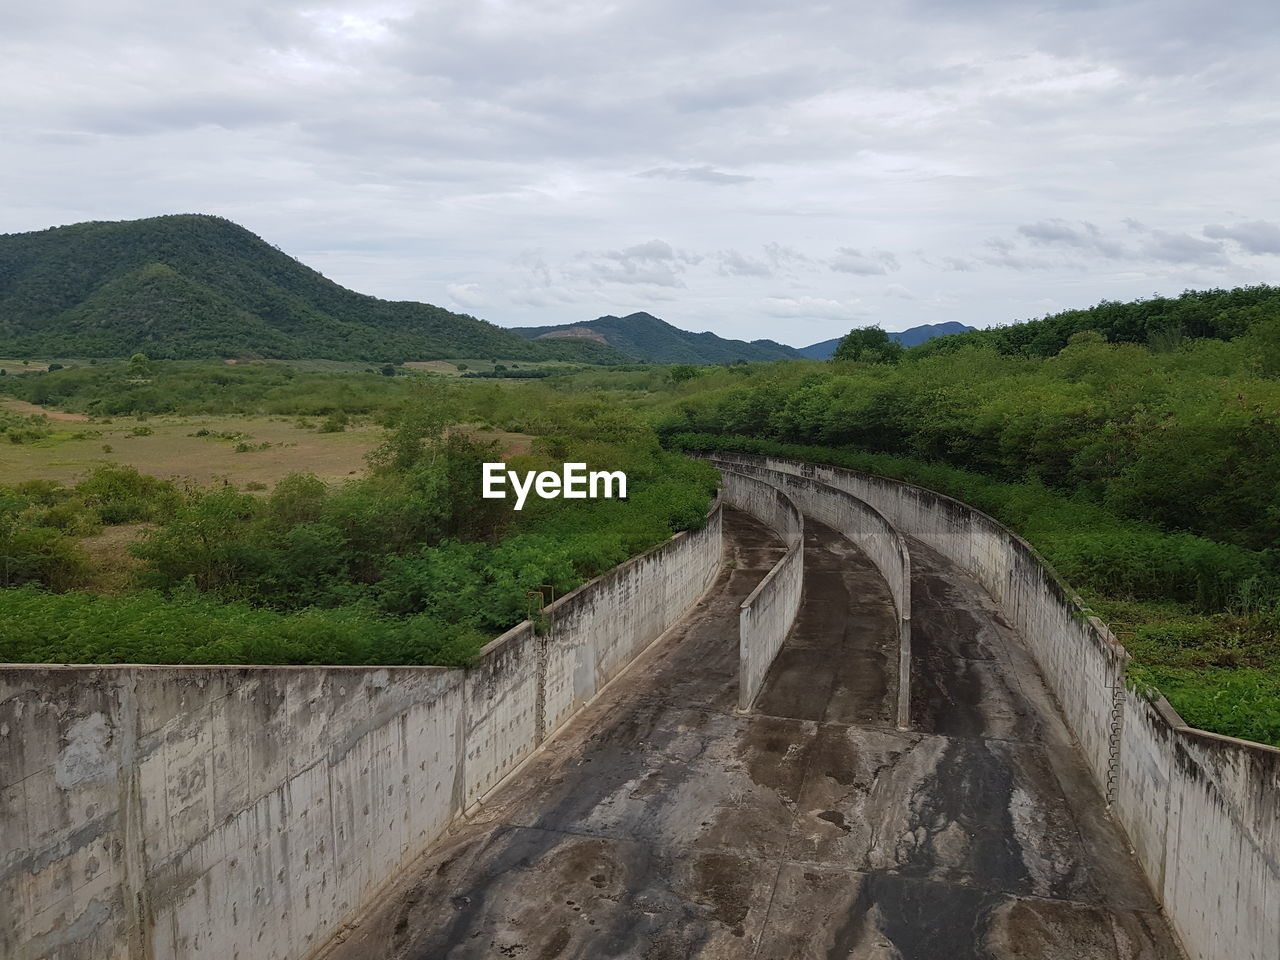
(760, 169)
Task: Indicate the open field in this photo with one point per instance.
(35, 410)
(168, 447)
(11, 366)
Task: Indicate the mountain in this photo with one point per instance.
(645, 337)
(908, 338)
(193, 286)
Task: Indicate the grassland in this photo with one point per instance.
(200, 450)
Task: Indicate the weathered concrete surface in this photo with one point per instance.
(663, 825)
(766, 615)
(1201, 810)
(860, 523)
(178, 813)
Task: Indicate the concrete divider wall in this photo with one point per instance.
(1202, 811)
(862, 524)
(766, 616)
(149, 813)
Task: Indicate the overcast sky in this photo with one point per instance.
(759, 169)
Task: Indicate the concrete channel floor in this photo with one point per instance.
(662, 824)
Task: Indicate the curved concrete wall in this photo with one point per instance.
(1202, 811)
(862, 524)
(176, 813)
(766, 616)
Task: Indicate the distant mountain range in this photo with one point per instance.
(645, 337)
(912, 337)
(194, 286)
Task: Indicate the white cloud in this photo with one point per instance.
(735, 264)
(1257, 237)
(873, 263)
(468, 296)
(785, 154)
(811, 308)
(702, 174)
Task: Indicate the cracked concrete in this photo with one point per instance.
(663, 824)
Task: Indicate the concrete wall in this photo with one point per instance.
(1202, 811)
(149, 813)
(765, 617)
(862, 524)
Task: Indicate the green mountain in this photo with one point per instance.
(194, 286)
(912, 337)
(645, 337)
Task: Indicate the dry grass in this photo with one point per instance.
(171, 451)
(433, 366)
(32, 410)
(112, 564)
(11, 367)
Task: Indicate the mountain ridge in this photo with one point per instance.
(911, 337)
(193, 286)
(646, 337)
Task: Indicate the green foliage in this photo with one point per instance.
(1188, 440)
(189, 387)
(1202, 619)
(409, 564)
(34, 553)
(16, 428)
(645, 337)
(200, 286)
(187, 627)
(1162, 323)
(681, 372)
(867, 345)
(336, 422)
(123, 495)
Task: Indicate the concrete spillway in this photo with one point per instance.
(663, 823)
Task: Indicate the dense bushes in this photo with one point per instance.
(1201, 618)
(41, 522)
(15, 428)
(189, 387)
(1161, 323)
(407, 565)
(188, 627)
(1188, 439)
(1095, 550)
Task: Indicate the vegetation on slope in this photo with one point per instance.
(1150, 480)
(1147, 476)
(1160, 323)
(408, 565)
(199, 286)
(645, 337)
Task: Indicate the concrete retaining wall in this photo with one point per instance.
(149, 813)
(766, 616)
(862, 524)
(1202, 811)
